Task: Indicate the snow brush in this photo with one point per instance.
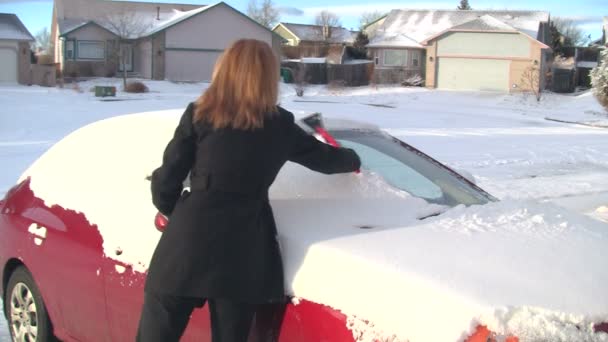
(315, 121)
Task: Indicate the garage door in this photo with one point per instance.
(189, 65)
(8, 65)
(473, 74)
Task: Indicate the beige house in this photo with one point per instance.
(159, 41)
(15, 55)
(463, 50)
(313, 40)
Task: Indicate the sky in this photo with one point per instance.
(36, 14)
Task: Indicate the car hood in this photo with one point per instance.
(485, 264)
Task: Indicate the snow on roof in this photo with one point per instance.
(68, 25)
(485, 23)
(12, 28)
(151, 17)
(420, 25)
(315, 33)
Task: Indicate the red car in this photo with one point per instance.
(78, 231)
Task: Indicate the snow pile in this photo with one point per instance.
(492, 264)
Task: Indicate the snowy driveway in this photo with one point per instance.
(504, 140)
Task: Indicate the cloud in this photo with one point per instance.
(296, 12)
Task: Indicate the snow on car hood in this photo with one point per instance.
(354, 243)
(524, 268)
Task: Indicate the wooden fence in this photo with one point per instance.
(350, 75)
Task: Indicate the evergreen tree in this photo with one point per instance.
(359, 51)
(599, 80)
(557, 43)
(464, 5)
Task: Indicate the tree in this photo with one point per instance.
(359, 51)
(464, 5)
(327, 18)
(530, 79)
(127, 26)
(368, 18)
(571, 33)
(265, 13)
(556, 40)
(599, 80)
(43, 41)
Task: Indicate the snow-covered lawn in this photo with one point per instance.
(515, 147)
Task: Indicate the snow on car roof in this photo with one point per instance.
(351, 242)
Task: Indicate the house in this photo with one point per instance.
(313, 40)
(15, 55)
(462, 50)
(158, 41)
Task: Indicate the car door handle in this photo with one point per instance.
(39, 233)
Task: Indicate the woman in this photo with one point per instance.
(220, 245)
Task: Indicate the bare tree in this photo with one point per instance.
(572, 33)
(369, 17)
(327, 18)
(127, 26)
(266, 13)
(530, 79)
(43, 41)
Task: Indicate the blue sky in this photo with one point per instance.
(36, 14)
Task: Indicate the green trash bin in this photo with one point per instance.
(103, 91)
(287, 75)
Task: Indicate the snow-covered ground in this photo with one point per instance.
(515, 147)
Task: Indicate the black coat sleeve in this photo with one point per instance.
(318, 156)
(167, 180)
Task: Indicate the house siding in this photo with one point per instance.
(143, 58)
(517, 51)
(484, 44)
(158, 56)
(384, 73)
(91, 67)
(194, 55)
(25, 63)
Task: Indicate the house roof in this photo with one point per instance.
(12, 28)
(314, 33)
(152, 17)
(75, 14)
(420, 25)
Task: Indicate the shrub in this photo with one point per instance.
(136, 87)
(599, 80)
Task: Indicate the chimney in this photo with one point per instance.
(157, 12)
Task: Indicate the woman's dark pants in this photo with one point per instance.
(164, 318)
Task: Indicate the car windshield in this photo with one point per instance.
(410, 170)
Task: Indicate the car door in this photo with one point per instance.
(65, 258)
(124, 288)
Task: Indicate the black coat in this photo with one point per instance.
(221, 240)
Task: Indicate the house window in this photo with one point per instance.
(415, 58)
(69, 49)
(395, 57)
(91, 50)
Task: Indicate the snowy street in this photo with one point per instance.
(515, 147)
